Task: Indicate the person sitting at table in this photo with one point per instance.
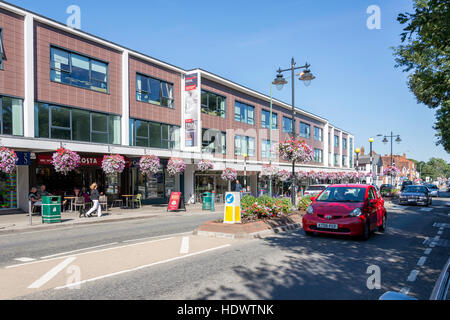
(34, 198)
(85, 195)
(43, 192)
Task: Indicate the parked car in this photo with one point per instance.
(386, 187)
(405, 184)
(353, 210)
(315, 189)
(434, 190)
(416, 195)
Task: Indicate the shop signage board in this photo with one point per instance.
(176, 202)
(232, 208)
(23, 158)
(85, 161)
(191, 112)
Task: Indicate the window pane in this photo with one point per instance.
(265, 116)
(155, 135)
(80, 71)
(141, 142)
(221, 106)
(80, 119)
(237, 145)
(213, 104)
(59, 76)
(251, 147)
(60, 117)
(99, 71)
(60, 59)
(155, 91)
(42, 120)
(165, 131)
(7, 116)
(204, 101)
(114, 129)
(62, 134)
(99, 122)
(237, 111)
(174, 137)
(99, 137)
(141, 129)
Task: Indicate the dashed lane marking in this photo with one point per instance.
(428, 251)
(25, 259)
(74, 251)
(422, 261)
(413, 275)
(184, 245)
(426, 209)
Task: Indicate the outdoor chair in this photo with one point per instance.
(78, 204)
(119, 201)
(136, 199)
(103, 201)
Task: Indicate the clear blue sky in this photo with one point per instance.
(357, 87)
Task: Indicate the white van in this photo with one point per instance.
(315, 189)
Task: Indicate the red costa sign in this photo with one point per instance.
(85, 161)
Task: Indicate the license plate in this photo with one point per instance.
(411, 200)
(327, 226)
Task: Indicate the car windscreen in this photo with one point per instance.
(315, 188)
(342, 194)
(415, 189)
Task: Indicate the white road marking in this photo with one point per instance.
(80, 254)
(421, 261)
(433, 244)
(51, 274)
(184, 245)
(25, 259)
(157, 237)
(63, 253)
(428, 251)
(436, 239)
(141, 267)
(413, 275)
(426, 209)
(426, 239)
(439, 232)
(405, 290)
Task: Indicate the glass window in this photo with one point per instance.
(244, 145)
(213, 104)
(266, 152)
(251, 147)
(318, 155)
(60, 117)
(77, 70)
(344, 143)
(244, 113)
(99, 122)
(287, 124)
(214, 141)
(155, 135)
(336, 159)
(114, 129)
(79, 120)
(336, 141)
(11, 116)
(6, 117)
(318, 134)
(344, 161)
(41, 120)
(154, 91)
(2, 50)
(305, 130)
(266, 119)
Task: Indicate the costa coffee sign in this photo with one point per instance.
(85, 161)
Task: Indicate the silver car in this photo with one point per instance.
(434, 190)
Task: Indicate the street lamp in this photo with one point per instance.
(245, 171)
(371, 140)
(357, 151)
(385, 141)
(306, 76)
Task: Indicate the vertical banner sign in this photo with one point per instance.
(192, 111)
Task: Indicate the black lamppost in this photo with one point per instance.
(385, 141)
(305, 76)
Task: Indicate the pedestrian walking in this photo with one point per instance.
(238, 187)
(95, 200)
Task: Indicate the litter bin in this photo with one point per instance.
(206, 201)
(51, 209)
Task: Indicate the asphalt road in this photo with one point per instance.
(286, 266)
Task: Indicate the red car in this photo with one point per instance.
(353, 210)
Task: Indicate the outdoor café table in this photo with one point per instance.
(127, 196)
(71, 198)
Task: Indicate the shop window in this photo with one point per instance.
(266, 119)
(8, 191)
(78, 70)
(11, 116)
(2, 50)
(64, 123)
(154, 91)
(213, 104)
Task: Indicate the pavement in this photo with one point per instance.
(20, 222)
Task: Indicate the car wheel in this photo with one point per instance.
(366, 233)
(383, 226)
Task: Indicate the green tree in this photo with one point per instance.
(425, 54)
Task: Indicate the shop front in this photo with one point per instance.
(8, 191)
(157, 189)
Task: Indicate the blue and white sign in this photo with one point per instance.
(23, 158)
(229, 199)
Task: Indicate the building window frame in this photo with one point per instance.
(206, 108)
(244, 148)
(170, 91)
(17, 131)
(2, 50)
(287, 130)
(68, 73)
(318, 155)
(266, 124)
(336, 141)
(344, 143)
(247, 108)
(305, 130)
(219, 147)
(266, 152)
(318, 134)
(171, 143)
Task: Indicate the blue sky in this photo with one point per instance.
(357, 87)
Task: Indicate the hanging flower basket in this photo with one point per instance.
(269, 171)
(113, 164)
(229, 174)
(149, 165)
(175, 166)
(296, 150)
(65, 161)
(391, 171)
(205, 165)
(8, 160)
(302, 175)
(284, 175)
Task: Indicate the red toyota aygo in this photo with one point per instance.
(353, 210)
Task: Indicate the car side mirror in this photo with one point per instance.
(372, 203)
(313, 199)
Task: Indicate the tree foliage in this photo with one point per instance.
(424, 53)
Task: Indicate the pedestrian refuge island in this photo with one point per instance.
(232, 208)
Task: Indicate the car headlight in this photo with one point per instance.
(310, 210)
(356, 213)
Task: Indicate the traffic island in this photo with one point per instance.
(250, 229)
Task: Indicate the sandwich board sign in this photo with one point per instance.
(232, 208)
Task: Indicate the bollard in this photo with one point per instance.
(213, 201)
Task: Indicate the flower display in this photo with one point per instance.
(284, 175)
(65, 161)
(176, 166)
(149, 165)
(269, 171)
(8, 159)
(296, 150)
(205, 165)
(302, 175)
(391, 171)
(229, 174)
(113, 164)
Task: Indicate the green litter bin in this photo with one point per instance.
(206, 201)
(51, 209)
